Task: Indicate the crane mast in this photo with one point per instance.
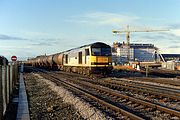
(128, 31)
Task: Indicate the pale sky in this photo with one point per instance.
(34, 27)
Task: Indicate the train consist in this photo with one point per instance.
(3, 60)
(87, 59)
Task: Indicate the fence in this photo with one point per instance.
(8, 80)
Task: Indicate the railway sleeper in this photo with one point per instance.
(150, 105)
(95, 86)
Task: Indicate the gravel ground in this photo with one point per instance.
(44, 104)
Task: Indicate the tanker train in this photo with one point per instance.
(3, 60)
(87, 59)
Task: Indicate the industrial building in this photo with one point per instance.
(171, 65)
(172, 61)
(171, 57)
(137, 52)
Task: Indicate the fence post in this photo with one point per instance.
(8, 82)
(1, 95)
(22, 68)
(13, 82)
(4, 88)
(14, 75)
(11, 78)
(16, 70)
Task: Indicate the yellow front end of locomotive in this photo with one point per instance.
(101, 60)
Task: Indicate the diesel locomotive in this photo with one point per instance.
(87, 59)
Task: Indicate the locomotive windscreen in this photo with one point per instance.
(101, 51)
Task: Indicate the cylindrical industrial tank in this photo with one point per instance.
(45, 62)
(34, 61)
(58, 59)
(50, 59)
(41, 60)
(38, 61)
(28, 62)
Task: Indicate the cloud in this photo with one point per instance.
(7, 37)
(12, 47)
(35, 34)
(176, 32)
(174, 46)
(46, 42)
(103, 18)
(162, 36)
(42, 44)
(174, 29)
(174, 26)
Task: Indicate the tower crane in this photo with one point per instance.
(127, 32)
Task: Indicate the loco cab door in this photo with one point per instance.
(80, 57)
(65, 59)
(86, 55)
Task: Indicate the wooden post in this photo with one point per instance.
(4, 88)
(11, 78)
(15, 73)
(147, 67)
(22, 68)
(8, 82)
(14, 76)
(1, 95)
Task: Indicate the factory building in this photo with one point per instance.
(137, 52)
(171, 57)
(172, 61)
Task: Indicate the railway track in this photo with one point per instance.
(164, 72)
(159, 91)
(116, 102)
(170, 89)
(93, 98)
(169, 94)
(168, 81)
(145, 85)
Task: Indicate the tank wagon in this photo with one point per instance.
(3, 60)
(87, 59)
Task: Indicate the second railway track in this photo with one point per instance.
(115, 101)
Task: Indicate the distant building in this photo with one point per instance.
(138, 52)
(172, 61)
(170, 57)
(171, 65)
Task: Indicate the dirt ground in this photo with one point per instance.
(44, 104)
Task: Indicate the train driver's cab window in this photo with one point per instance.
(87, 52)
(106, 51)
(96, 51)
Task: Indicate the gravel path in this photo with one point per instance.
(44, 104)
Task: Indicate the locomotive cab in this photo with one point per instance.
(101, 54)
(101, 58)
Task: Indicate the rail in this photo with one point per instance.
(79, 85)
